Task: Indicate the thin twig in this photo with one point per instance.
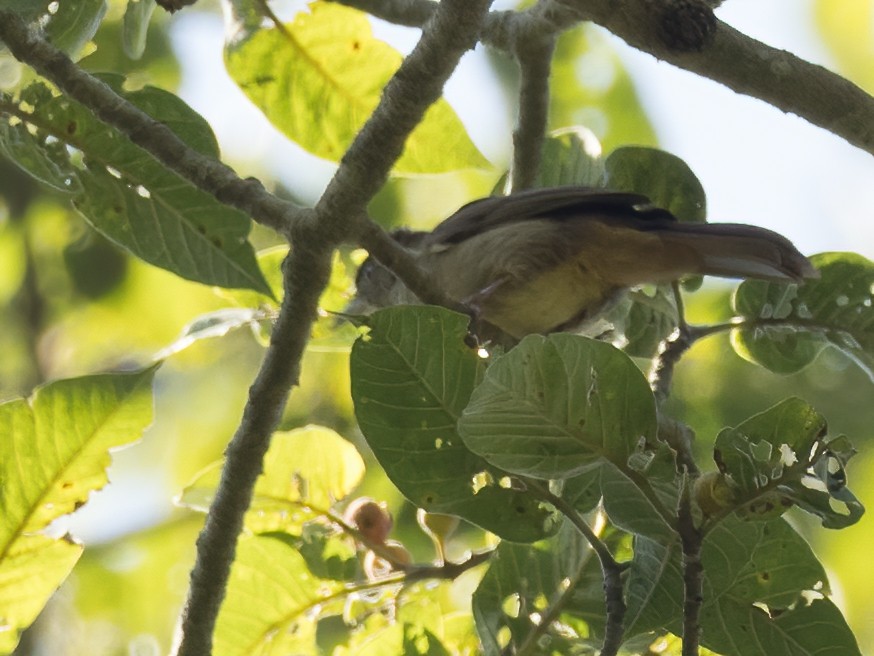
(693, 573)
(610, 569)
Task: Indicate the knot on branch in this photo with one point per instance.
(686, 25)
(174, 5)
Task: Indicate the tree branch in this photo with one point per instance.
(744, 65)
(306, 273)
(157, 139)
(410, 13)
(693, 572)
(723, 54)
(610, 570)
(452, 30)
(535, 64)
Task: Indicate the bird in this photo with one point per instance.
(555, 259)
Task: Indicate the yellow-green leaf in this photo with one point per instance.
(306, 471)
(320, 77)
(54, 453)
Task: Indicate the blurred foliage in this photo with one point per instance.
(847, 29)
(72, 303)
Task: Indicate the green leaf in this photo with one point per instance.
(561, 574)
(782, 457)
(306, 472)
(136, 26)
(318, 78)
(54, 453)
(31, 569)
(44, 160)
(270, 600)
(412, 375)
(646, 317)
(631, 508)
(787, 326)
(127, 195)
(61, 438)
(747, 566)
(71, 27)
(556, 406)
(402, 639)
(664, 178)
(571, 156)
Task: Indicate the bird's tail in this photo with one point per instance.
(739, 251)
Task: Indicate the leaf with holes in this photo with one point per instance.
(319, 77)
(783, 456)
(786, 326)
(412, 375)
(127, 195)
(556, 406)
(750, 569)
(54, 453)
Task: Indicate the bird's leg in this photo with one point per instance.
(474, 304)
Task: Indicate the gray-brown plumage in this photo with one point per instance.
(546, 260)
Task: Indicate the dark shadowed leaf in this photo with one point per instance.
(412, 375)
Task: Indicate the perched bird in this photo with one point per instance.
(546, 260)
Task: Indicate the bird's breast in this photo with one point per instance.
(563, 295)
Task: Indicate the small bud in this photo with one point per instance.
(714, 492)
(370, 518)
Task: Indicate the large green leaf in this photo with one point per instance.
(127, 195)
(747, 566)
(662, 177)
(320, 77)
(54, 453)
(306, 471)
(787, 326)
(270, 601)
(412, 375)
(555, 406)
(783, 456)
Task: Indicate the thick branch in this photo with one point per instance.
(535, 63)
(411, 13)
(746, 66)
(153, 136)
(306, 273)
(727, 56)
(452, 30)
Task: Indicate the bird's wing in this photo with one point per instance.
(556, 203)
